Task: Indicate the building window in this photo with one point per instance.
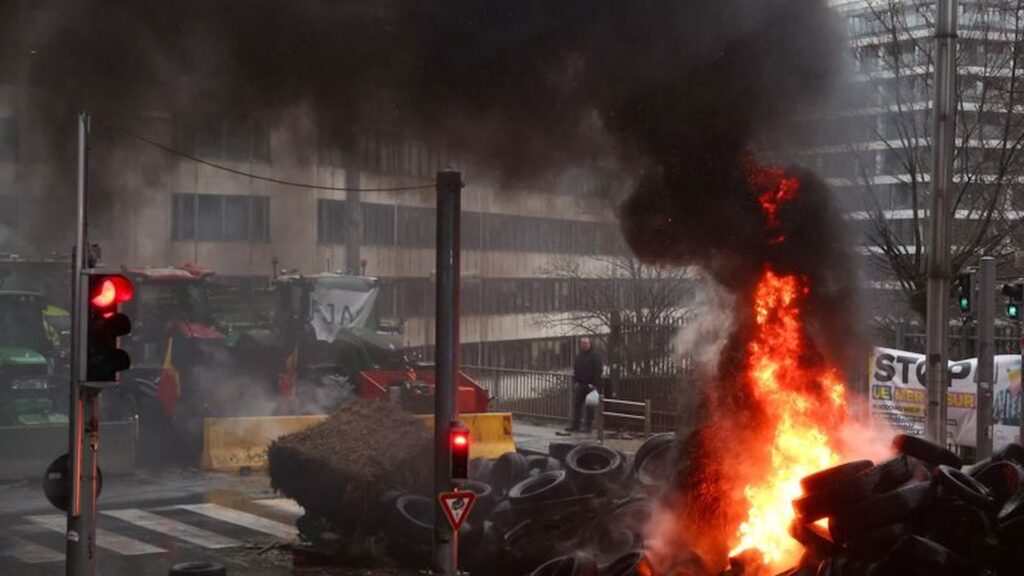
(330, 221)
(225, 137)
(8, 139)
(378, 224)
(220, 218)
(416, 227)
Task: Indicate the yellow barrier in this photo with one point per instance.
(233, 444)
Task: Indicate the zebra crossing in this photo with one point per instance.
(138, 532)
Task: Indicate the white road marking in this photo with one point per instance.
(244, 519)
(178, 530)
(28, 552)
(286, 505)
(104, 538)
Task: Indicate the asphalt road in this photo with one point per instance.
(155, 519)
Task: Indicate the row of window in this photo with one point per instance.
(414, 297)
(220, 218)
(412, 226)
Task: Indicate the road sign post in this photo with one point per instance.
(456, 506)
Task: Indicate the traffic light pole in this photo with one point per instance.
(986, 354)
(937, 322)
(83, 407)
(446, 347)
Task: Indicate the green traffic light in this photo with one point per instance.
(965, 304)
(1012, 311)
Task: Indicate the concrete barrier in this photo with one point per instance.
(26, 451)
(234, 444)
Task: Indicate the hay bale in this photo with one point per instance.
(339, 469)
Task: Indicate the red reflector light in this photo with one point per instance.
(112, 290)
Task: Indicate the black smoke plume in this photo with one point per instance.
(673, 93)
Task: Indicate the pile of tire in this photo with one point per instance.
(579, 510)
(919, 513)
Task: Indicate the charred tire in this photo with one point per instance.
(593, 465)
(657, 467)
(539, 463)
(892, 507)
(508, 470)
(412, 519)
(625, 565)
(559, 450)
(848, 492)
(575, 565)
(480, 469)
(963, 487)
(827, 478)
(650, 446)
(632, 515)
(917, 555)
(813, 539)
(878, 540)
(1012, 453)
(485, 498)
(925, 451)
(198, 569)
(1014, 508)
(540, 488)
(1003, 479)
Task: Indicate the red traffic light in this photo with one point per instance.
(111, 290)
(460, 439)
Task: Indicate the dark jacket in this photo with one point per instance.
(587, 368)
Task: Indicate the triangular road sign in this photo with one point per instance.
(456, 506)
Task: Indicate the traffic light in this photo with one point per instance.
(458, 441)
(105, 325)
(964, 292)
(1014, 299)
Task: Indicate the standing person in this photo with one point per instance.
(586, 377)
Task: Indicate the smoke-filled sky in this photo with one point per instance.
(671, 92)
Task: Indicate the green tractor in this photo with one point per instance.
(310, 338)
(31, 388)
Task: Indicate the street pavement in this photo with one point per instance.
(154, 519)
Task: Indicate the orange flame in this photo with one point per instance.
(802, 397)
(801, 402)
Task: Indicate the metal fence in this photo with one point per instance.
(548, 395)
(525, 392)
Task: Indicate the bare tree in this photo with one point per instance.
(891, 147)
(634, 306)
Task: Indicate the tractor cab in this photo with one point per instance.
(27, 387)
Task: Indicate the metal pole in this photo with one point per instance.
(986, 353)
(353, 218)
(939, 217)
(446, 349)
(83, 422)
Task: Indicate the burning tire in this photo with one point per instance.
(198, 569)
(508, 470)
(540, 488)
(575, 565)
(592, 466)
(848, 492)
(831, 476)
(657, 466)
(888, 508)
(879, 540)
(925, 451)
